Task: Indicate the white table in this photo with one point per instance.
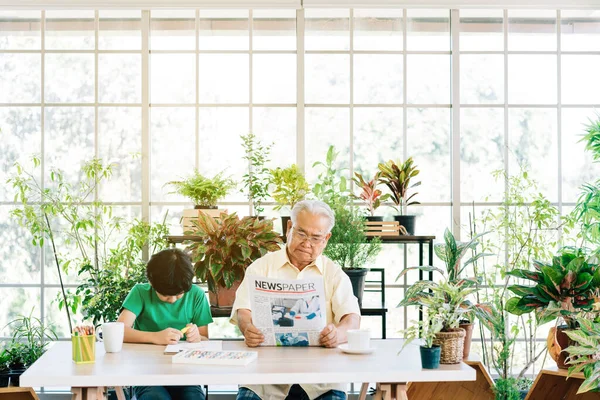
(146, 365)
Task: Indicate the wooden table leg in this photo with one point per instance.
(401, 392)
(377, 395)
(76, 393)
(119, 392)
(363, 391)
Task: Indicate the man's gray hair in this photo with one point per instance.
(315, 207)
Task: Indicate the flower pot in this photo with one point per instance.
(430, 357)
(468, 327)
(407, 221)
(4, 378)
(452, 343)
(557, 342)
(15, 376)
(357, 278)
(223, 297)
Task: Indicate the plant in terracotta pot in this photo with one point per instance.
(398, 177)
(348, 246)
(562, 288)
(229, 246)
(369, 193)
(288, 187)
(256, 180)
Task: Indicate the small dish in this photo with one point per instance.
(345, 349)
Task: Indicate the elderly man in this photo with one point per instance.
(308, 233)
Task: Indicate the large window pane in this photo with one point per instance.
(326, 29)
(70, 30)
(532, 138)
(19, 259)
(20, 30)
(580, 30)
(120, 78)
(172, 78)
(223, 78)
(55, 318)
(378, 79)
(20, 78)
(378, 29)
(172, 30)
(277, 125)
(532, 79)
(428, 30)
(428, 79)
(327, 79)
(481, 30)
(578, 166)
(172, 149)
(531, 30)
(274, 30)
(69, 78)
(274, 78)
(120, 30)
(223, 30)
(377, 138)
(120, 144)
(580, 83)
(482, 151)
(15, 302)
(428, 142)
(481, 79)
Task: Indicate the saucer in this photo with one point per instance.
(345, 349)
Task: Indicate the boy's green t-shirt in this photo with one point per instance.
(154, 315)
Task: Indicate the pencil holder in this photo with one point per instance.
(84, 349)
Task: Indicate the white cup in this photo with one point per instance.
(359, 339)
(112, 336)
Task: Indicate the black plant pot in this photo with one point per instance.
(407, 221)
(430, 357)
(4, 378)
(374, 218)
(15, 376)
(284, 224)
(357, 278)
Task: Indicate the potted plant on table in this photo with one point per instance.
(204, 192)
(288, 188)
(398, 179)
(427, 331)
(566, 286)
(227, 246)
(256, 181)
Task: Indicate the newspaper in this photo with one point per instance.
(288, 312)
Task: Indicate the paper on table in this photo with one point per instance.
(203, 345)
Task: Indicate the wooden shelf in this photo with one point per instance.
(552, 383)
(18, 393)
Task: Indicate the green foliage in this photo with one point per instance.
(348, 245)
(203, 191)
(230, 245)
(289, 186)
(256, 181)
(593, 138)
(397, 178)
(29, 340)
(331, 187)
(426, 330)
(451, 253)
(5, 359)
(507, 389)
(584, 356)
(587, 212)
(369, 192)
(562, 288)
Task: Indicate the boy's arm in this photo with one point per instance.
(166, 336)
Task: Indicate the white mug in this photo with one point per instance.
(112, 336)
(359, 339)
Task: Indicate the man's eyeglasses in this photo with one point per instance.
(303, 237)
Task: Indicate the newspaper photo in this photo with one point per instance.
(288, 312)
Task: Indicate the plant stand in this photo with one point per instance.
(552, 383)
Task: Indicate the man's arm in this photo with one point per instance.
(333, 335)
(252, 335)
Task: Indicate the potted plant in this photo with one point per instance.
(4, 368)
(256, 181)
(562, 288)
(584, 355)
(398, 179)
(204, 192)
(331, 186)
(427, 331)
(288, 188)
(370, 194)
(227, 246)
(348, 247)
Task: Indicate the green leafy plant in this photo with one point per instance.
(4, 361)
(289, 186)
(507, 389)
(398, 179)
(229, 246)
(562, 288)
(425, 330)
(369, 192)
(203, 191)
(331, 187)
(584, 356)
(348, 245)
(451, 253)
(29, 339)
(256, 181)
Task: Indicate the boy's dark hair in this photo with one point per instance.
(170, 272)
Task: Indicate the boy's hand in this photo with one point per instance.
(192, 335)
(253, 336)
(168, 336)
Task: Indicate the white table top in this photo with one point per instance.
(140, 364)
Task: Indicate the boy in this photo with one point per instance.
(156, 312)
